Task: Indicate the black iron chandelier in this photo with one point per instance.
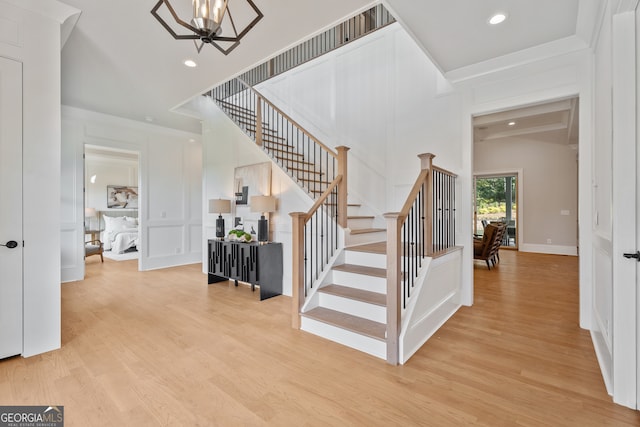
(211, 21)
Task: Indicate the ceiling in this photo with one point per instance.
(119, 60)
(554, 122)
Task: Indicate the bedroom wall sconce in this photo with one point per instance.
(264, 205)
(219, 206)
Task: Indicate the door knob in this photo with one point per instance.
(11, 244)
(636, 256)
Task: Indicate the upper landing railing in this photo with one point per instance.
(352, 29)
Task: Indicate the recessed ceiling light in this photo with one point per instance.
(190, 63)
(511, 123)
(93, 179)
(497, 18)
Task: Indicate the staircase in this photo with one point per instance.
(351, 307)
(289, 156)
(351, 279)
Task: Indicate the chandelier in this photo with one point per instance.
(211, 21)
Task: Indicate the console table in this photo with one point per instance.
(253, 263)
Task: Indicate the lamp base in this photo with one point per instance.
(220, 227)
(263, 230)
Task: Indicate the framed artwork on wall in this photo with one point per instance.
(250, 180)
(122, 197)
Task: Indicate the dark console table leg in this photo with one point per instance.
(212, 278)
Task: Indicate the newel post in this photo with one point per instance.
(426, 162)
(394, 292)
(342, 187)
(297, 276)
(259, 121)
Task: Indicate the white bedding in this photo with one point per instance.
(119, 241)
(120, 233)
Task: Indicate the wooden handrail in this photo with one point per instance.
(444, 171)
(286, 116)
(413, 194)
(323, 197)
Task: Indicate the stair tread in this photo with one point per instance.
(278, 151)
(367, 230)
(374, 248)
(297, 161)
(234, 106)
(310, 172)
(361, 217)
(267, 133)
(288, 157)
(317, 181)
(362, 269)
(348, 204)
(266, 142)
(355, 294)
(346, 321)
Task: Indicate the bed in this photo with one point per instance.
(120, 233)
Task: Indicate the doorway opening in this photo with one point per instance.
(111, 196)
(496, 200)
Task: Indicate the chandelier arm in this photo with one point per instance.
(198, 33)
(229, 49)
(233, 24)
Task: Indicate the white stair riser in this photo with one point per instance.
(359, 239)
(365, 258)
(356, 223)
(353, 210)
(359, 342)
(360, 281)
(356, 308)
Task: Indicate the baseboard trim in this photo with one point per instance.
(549, 249)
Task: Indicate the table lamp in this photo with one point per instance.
(90, 213)
(263, 204)
(219, 206)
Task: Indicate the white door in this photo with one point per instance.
(10, 208)
(624, 200)
(637, 203)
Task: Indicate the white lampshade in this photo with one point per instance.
(263, 204)
(219, 206)
(90, 212)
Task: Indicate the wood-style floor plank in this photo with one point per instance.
(161, 348)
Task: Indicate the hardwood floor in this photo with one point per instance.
(163, 348)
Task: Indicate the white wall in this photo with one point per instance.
(112, 168)
(383, 98)
(32, 36)
(549, 186)
(170, 187)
